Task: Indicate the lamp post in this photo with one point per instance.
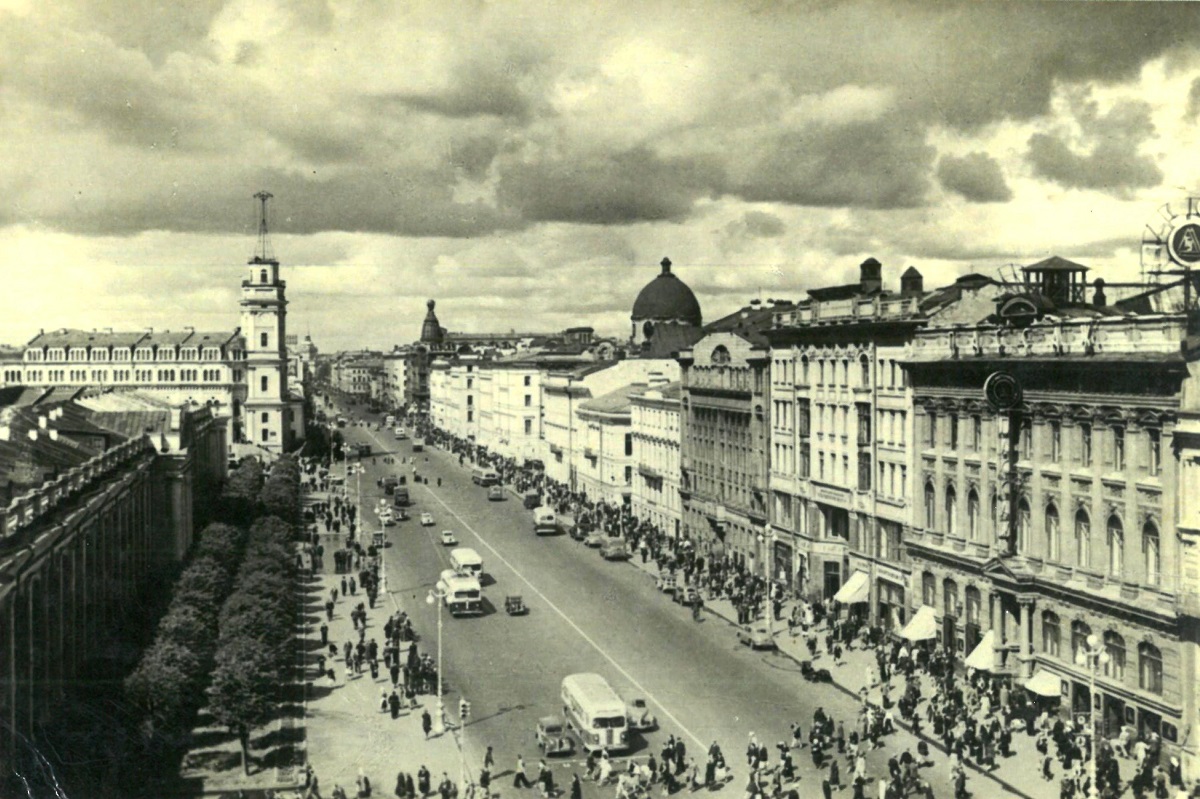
(768, 541)
(436, 596)
(1092, 657)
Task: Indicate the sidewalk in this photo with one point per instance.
(1018, 775)
(346, 730)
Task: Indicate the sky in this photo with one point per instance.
(528, 164)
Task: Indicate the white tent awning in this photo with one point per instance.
(923, 625)
(1044, 683)
(981, 656)
(856, 589)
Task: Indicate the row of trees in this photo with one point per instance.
(256, 633)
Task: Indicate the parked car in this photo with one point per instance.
(552, 737)
(756, 636)
(448, 539)
(594, 539)
(427, 520)
(496, 494)
(639, 715)
(578, 533)
(615, 549)
(666, 583)
(686, 596)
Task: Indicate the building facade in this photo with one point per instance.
(654, 422)
(605, 473)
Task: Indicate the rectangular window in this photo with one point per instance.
(932, 431)
(1055, 441)
(266, 383)
(628, 475)
(266, 417)
(976, 433)
(1027, 439)
(1085, 444)
(528, 426)
(528, 380)
(952, 431)
(266, 434)
(1118, 439)
(528, 400)
(1154, 453)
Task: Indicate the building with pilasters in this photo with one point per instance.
(1047, 501)
(654, 422)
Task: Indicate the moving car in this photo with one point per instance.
(386, 517)
(686, 595)
(514, 605)
(639, 715)
(389, 484)
(756, 636)
(427, 520)
(552, 737)
(400, 434)
(615, 549)
(496, 494)
(594, 539)
(666, 582)
(448, 539)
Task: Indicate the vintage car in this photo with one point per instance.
(639, 715)
(427, 520)
(496, 494)
(594, 539)
(615, 549)
(552, 737)
(756, 636)
(665, 582)
(532, 500)
(514, 605)
(448, 539)
(686, 595)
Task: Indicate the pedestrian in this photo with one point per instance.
(324, 634)
(423, 781)
(426, 723)
(489, 759)
(401, 792)
(576, 787)
(519, 778)
(485, 782)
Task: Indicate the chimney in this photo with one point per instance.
(1098, 297)
(54, 435)
(870, 276)
(5, 433)
(42, 422)
(911, 283)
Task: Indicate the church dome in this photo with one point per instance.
(666, 298)
(431, 331)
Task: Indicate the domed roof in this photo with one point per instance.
(666, 297)
(431, 331)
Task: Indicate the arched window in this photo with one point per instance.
(929, 589)
(974, 603)
(973, 515)
(995, 513)
(865, 368)
(1024, 517)
(950, 597)
(1149, 668)
(951, 511)
(1152, 553)
(1116, 546)
(804, 369)
(1050, 634)
(1114, 645)
(930, 507)
(262, 276)
(720, 355)
(1083, 539)
(1079, 636)
(1052, 533)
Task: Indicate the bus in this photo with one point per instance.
(545, 521)
(484, 477)
(400, 496)
(466, 561)
(595, 712)
(418, 445)
(462, 596)
(390, 421)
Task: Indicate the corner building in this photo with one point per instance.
(1037, 527)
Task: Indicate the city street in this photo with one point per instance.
(587, 614)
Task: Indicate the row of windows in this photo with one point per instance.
(835, 371)
(120, 355)
(1052, 548)
(102, 376)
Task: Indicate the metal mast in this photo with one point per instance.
(263, 253)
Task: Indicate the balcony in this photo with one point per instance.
(721, 378)
(590, 453)
(649, 473)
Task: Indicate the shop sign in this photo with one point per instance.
(829, 549)
(891, 575)
(832, 496)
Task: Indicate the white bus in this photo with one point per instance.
(462, 596)
(595, 712)
(466, 561)
(545, 521)
(484, 477)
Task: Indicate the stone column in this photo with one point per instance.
(1026, 641)
(997, 631)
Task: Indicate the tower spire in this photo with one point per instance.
(263, 253)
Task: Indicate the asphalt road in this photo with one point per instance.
(586, 614)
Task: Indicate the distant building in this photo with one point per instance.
(654, 422)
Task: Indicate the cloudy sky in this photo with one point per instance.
(529, 163)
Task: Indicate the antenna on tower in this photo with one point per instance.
(263, 254)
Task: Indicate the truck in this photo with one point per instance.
(466, 561)
(462, 595)
(418, 445)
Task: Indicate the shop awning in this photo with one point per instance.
(856, 589)
(923, 625)
(981, 657)
(1044, 683)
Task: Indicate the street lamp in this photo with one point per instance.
(1092, 657)
(768, 540)
(436, 596)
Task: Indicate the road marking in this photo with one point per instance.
(568, 620)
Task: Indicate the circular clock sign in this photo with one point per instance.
(1002, 391)
(1183, 244)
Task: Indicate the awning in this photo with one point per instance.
(981, 657)
(856, 589)
(1044, 683)
(922, 627)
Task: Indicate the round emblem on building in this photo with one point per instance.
(1002, 391)
(1183, 244)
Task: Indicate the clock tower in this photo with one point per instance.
(266, 411)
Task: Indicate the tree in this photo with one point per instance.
(164, 682)
(186, 626)
(243, 691)
(203, 584)
(222, 542)
(281, 499)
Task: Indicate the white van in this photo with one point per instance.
(545, 521)
(466, 561)
(462, 596)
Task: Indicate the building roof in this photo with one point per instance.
(670, 391)
(70, 337)
(616, 401)
(1055, 264)
(431, 331)
(26, 462)
(666, 298)
(749, 322)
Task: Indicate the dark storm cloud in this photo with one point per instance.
(876, 164)
(976, 176)
(631, 186)
(474, 89)
(1112, 163)
(761, 225)
(473, 155)
(153, 27)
